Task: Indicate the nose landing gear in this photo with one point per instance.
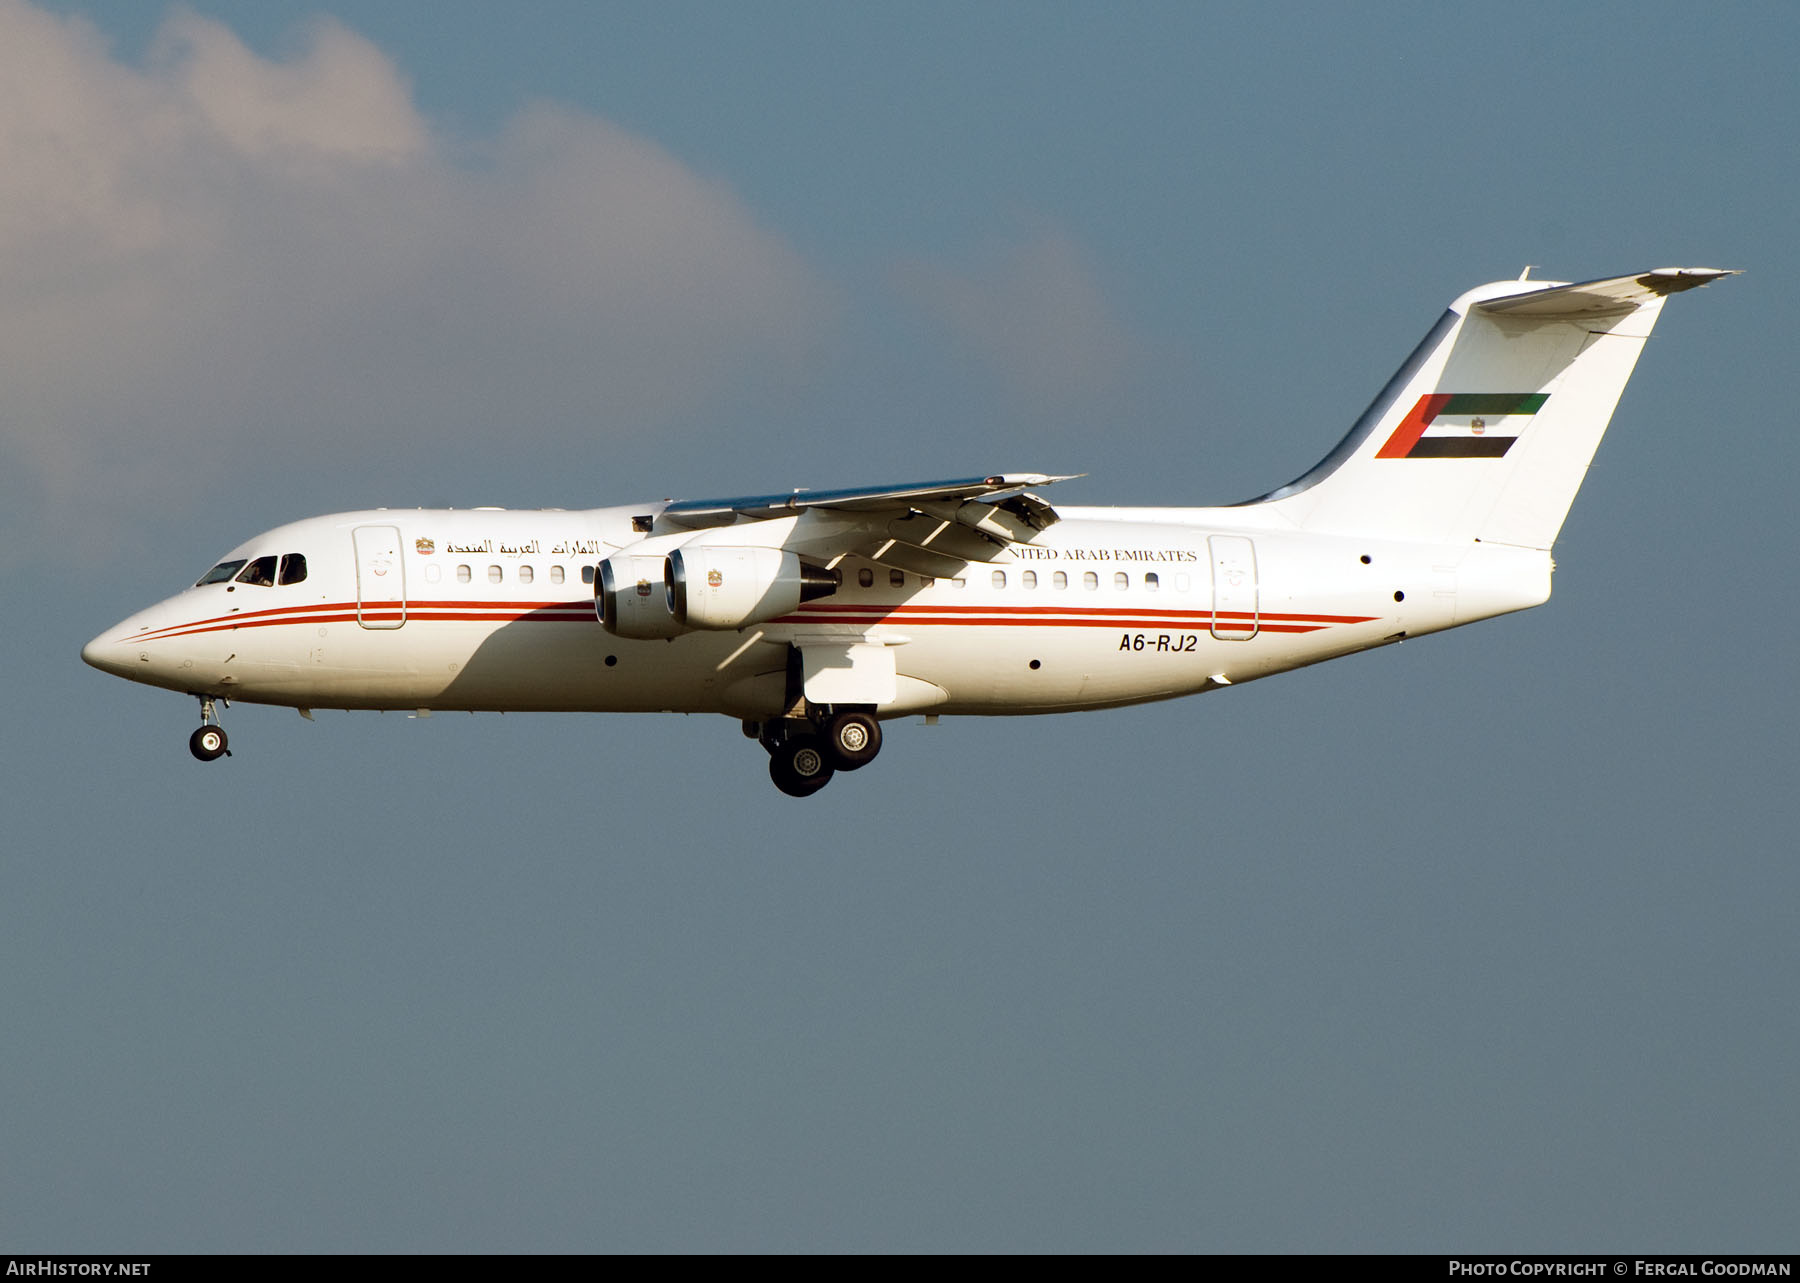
(209, 742)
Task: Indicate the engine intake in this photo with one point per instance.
(631, 596)
(724, 588)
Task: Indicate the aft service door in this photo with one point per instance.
(1234, 587)
(380, 577)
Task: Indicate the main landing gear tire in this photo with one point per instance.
(853, 739)
(799, 767)
(208, 743)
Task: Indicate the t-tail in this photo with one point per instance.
(1487, 430)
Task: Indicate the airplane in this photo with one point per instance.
(812, 617)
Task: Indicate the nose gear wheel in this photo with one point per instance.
(210, 742)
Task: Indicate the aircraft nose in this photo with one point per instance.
(107, 655)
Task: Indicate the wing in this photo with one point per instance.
(929, 528)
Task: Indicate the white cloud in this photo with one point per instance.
(341, 99)
(214, 261)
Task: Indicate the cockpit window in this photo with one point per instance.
(260, 572)
(220, 573)
(293, 568)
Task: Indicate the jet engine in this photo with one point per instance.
(723, 588)
(632, 596)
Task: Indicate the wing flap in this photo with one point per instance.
(911, 557)
(947, 537)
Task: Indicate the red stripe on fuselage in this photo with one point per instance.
(581, 611)
(903, 611)
(578, 611)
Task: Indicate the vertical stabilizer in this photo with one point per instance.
(1488, 429)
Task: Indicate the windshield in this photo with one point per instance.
(220, 573)
(260, 572)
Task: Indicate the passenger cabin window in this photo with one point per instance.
(1028, 579)
(1121, 580)
(999, 579)
(556, 574)
(1151, 581)
(1060, 579)
(220, 573)
(260, 572)
(1090, 580)
(865, 577)
(525, 574)
(494, 574)
(587, 574)
(293, 568)
(897, 578)
(462, 575)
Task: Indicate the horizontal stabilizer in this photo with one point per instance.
(1617, 294)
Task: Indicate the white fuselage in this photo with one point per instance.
(811, 615)
(494, 610)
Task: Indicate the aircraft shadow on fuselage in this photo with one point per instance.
(558, 658)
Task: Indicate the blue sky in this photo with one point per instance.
(1482, 943)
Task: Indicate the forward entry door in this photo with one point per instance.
(380, 577)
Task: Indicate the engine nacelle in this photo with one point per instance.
(717, 587)
(631, 596)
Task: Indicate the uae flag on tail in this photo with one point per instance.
(1462, 425)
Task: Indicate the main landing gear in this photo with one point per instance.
(209, 742)
(805, 752)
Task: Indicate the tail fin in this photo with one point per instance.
(1487, 430)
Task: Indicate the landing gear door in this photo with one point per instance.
(380, 577)
(1234, 588)
(848, 673)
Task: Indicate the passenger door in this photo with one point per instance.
(380, 577)
(1234, 588)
